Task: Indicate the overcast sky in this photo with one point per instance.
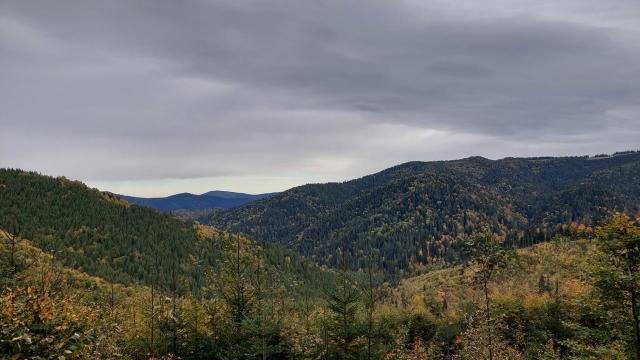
(158, 97)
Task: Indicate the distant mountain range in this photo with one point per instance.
(186, 201)
(411, 214)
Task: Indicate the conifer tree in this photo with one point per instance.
(487, 257)
(371, 304)
(617, 272)
(343, 305)
(12, 261)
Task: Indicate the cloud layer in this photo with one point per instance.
(127, 95)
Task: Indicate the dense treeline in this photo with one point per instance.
(102, 235)
(92, 230)
(413, 213)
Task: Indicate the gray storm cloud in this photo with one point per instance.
(144, 90)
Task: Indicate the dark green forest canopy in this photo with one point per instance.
(413, 212)
(89, 229)
(102, 235)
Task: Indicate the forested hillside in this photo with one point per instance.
(100, 234)
(554, 300)
(49, 311)
(409, 216)
(569, 298)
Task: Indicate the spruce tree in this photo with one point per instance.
(617, 271)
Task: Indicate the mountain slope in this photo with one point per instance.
(102, 235)
(187, 201)
(412, 212)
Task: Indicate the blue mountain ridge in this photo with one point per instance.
(187, 201)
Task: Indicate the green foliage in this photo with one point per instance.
(529, 324)
(86, 229)
(619, 244)
(617, 270)
(102, 235)
(412, 213)
(486, 255)
(343, 306)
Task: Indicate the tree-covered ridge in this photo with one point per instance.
(411, 213)
(90, 229)
(100, 234)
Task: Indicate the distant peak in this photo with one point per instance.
(225, 194)
(184, 193)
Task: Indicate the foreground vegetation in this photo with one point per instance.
(568, 298)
